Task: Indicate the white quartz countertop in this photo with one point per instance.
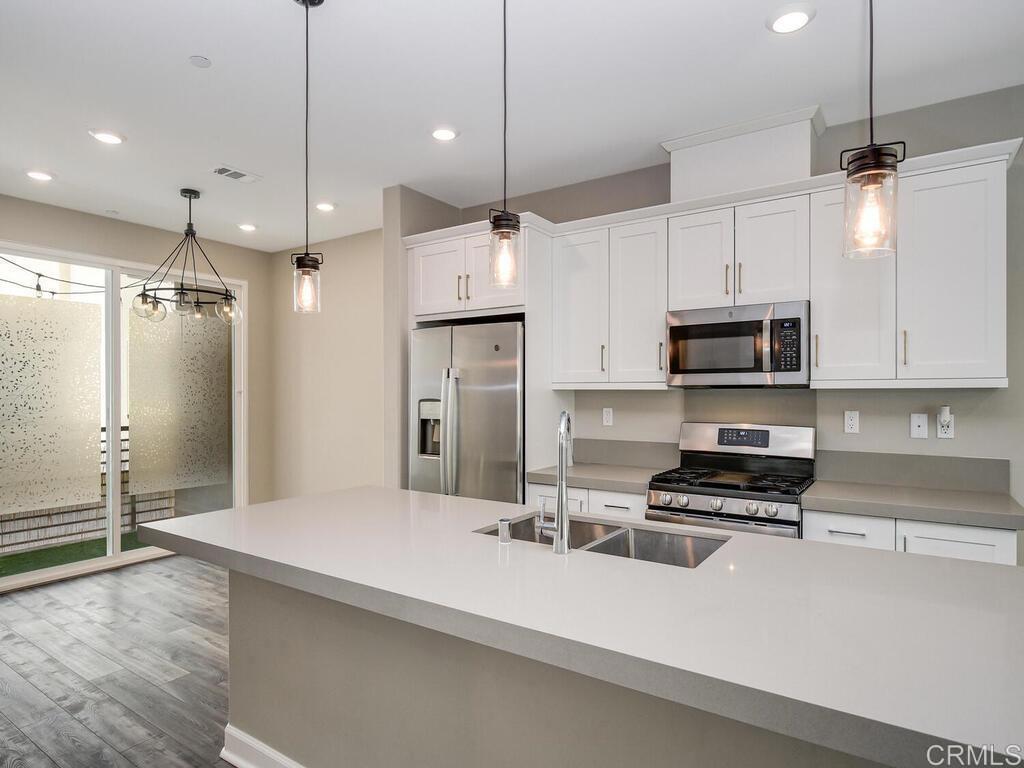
(875, 653)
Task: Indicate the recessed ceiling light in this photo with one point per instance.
(112, 212)
(445, 134)
(200, 61)
(325, 207)
(40, 175)
(790, 19)
(107, 137)
(247, 227)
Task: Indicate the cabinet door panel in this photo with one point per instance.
(700, 269)
(478, 290)
(544, 498)
(852, 530)
(638, 292)
(773, 251)
(951, 292)
(964, 542)
(580, 302)
(853, 303)
(439, 277)
(628, 506)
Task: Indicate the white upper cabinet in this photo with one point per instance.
(773, 251)
(700, 264)
(580, 307)
(638, 296)
(853, 303)
(440, 278)
(951, 296)
(478, 291)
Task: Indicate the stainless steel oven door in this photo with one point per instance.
(791, 531)
(761, 345)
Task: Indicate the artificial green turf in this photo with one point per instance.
(22, 562)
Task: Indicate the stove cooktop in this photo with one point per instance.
(696, 478)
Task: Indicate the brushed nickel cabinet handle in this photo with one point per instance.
(602, 358)
(726, 279)
(904, 346)
(661, 349)
(817, 357)
(739, 277)
(838, 531)
(458, 288)
(467, 286)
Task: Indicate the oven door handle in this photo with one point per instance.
(766, 346)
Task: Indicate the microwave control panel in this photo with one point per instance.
(787, 344)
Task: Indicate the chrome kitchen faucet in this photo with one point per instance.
(559, 529)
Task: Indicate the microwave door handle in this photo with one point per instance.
(766, 346)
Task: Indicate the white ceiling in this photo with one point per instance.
(594, 88)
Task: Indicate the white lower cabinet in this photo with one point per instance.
(854, 530)
(543, 497)
(629, 506)
(966, 542)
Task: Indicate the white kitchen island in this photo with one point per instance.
(376, 627)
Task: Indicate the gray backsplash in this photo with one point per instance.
(626, 453)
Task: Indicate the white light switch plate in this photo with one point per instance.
(944, 432)
(851, 422)
(919, 425)
(607, 417)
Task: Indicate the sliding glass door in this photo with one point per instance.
(75, 356)
(54, 447)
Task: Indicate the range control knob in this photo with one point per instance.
(683, 501)
(771, 510)
(752, 508)
(666, 499)
(716, 505)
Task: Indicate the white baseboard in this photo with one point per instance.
(245, 751)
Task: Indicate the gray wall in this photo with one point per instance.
(988, 422)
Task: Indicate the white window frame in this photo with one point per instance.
(112, 334)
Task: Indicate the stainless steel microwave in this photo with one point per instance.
(761, 345)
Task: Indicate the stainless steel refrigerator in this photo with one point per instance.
(466, 411)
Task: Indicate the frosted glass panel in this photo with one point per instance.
(49, 403)
(179, 403)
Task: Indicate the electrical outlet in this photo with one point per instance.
(851, 422)
(919, 425)
(944, 432)
(607, 417)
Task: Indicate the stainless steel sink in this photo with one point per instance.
(581, 532)
(683, 550)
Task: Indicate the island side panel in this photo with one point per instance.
(327, 684)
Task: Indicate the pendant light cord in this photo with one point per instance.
(306, 3)
(871, 70)
(504, 105)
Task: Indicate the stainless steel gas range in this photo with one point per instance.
(745, 477)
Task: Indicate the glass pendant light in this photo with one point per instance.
(229, 310)
(504, 252)
(306, 278)
(181, 302)
(871, 181)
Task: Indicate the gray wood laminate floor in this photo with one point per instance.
(124, 668)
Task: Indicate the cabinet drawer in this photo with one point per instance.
(965, 542)
(542, 497)
(855, 530)
(629, 506)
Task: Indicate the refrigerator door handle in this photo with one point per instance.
(453, 431)
(443, 463)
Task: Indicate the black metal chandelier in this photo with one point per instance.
(185, 298)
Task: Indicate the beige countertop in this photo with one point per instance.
(990, 510)
(600, 477)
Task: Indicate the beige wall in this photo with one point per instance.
(327, 408)
(989, 423)
(48, 226)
